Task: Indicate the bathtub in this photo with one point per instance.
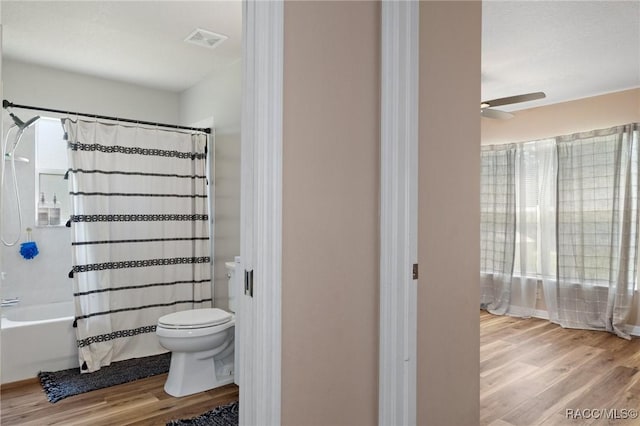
(36, 338)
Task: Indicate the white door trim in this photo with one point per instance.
(260, 380)
(398, 213)
(261, 212)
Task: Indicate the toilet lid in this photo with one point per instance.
(195, 318)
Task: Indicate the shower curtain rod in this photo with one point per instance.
(7, 104)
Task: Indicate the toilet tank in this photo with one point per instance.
(231, 275)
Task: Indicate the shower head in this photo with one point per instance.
(21, 124)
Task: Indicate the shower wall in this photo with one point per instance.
(43, 279)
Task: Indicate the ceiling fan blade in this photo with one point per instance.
(495, 113)
(515, 99)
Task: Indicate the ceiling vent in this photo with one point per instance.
(205, 38)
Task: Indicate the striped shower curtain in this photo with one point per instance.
(140, 235)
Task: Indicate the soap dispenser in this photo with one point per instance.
(54, 212)
(43, 211)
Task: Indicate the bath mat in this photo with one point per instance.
(61, 384)
(225, 415)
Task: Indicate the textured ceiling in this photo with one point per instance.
(135, 41)
(568, 49)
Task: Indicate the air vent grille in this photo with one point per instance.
(205, 38)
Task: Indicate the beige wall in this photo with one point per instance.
(449, 215)
(598, 112)
(330, 213)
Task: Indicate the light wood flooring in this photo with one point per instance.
(142, 402)
(532, 372)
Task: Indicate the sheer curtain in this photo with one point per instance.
(547, 217)
(517, 225)
(497, 226)
(572, 209)
(535, 224)
(140, 235)
(597, 223)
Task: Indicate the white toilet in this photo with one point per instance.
(201, 342)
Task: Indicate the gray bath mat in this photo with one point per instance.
(225, 415)
(61, 384)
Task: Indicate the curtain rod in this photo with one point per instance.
(7, 104)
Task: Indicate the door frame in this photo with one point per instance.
(398, 213)
(259, 319)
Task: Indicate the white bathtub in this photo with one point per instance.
(36, 338)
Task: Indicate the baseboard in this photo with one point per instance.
(633, 330)
(19, 383)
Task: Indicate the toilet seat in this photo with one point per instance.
(194, 319)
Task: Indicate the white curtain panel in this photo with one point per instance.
(597, 209)
(535, 224)
(546, 153)
(497, 226)
(140, 235)
(518, 225)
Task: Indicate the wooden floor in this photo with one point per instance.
(142, 402)
(533, 372)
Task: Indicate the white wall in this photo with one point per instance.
(44, 278)
(29, 84)
(219, 95)
(216, 101)
(227, 212)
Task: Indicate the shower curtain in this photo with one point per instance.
(140, 235)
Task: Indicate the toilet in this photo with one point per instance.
(201, 342)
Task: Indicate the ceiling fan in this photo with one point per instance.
(486, 111)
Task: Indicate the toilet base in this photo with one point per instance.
(190, 373)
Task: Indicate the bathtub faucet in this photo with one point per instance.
(10, 302)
